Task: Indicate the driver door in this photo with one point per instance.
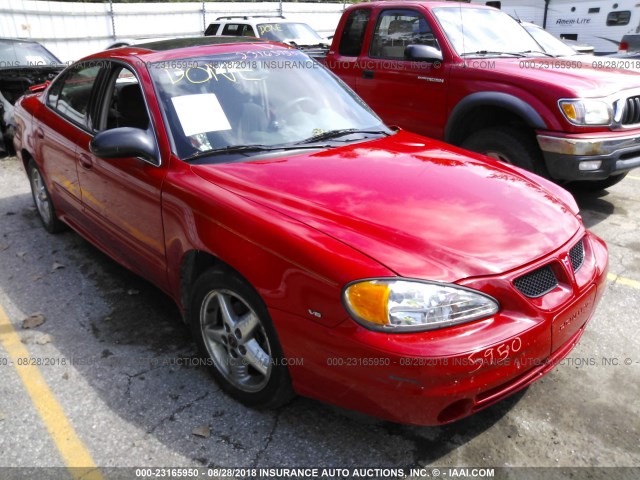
(409, 94)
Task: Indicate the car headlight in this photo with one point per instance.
(398, 305)
(587, 111)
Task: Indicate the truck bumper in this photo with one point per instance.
(589, 156)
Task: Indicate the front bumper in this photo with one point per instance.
(437, 377)
(565, 157)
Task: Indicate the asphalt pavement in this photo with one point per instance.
(107, 377)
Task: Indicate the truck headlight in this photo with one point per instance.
(399, 305)
(587, 111)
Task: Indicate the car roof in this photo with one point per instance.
(177, 43)
(413, 3)
(177, 48)
(16, 40)
(253, 19)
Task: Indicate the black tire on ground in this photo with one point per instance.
(596, 185)
(510, 145)
(42, 200)
(233, 330)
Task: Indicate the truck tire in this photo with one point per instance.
(596, 185)
(509, 145)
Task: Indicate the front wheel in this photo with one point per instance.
(509, 145)
(232, 328)
(42, 200)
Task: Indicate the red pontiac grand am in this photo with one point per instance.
(312, 249)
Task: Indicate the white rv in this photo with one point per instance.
(598, 23)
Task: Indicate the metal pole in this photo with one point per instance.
(204, 17)
(546, 9)
(280, 8)
(113, 19)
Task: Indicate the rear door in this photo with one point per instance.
(345, 62)
(64, 127)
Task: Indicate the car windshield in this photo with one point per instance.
(484, 31)
(25, 54)
(551, 44)
(263, 99)
(299, 33)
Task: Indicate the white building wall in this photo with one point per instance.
(73, 30)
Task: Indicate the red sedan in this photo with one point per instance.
(311, 248)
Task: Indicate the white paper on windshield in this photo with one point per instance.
(200, 113)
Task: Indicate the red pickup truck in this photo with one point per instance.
(471, 75)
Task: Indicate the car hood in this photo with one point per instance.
(421, 208)
(578, 75)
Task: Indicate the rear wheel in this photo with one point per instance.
(233, 330)
(596, 185)
(509, 145)
(42, 200)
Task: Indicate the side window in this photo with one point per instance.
(395, 29)
(353, 33)
(71, 96)
(212, 29)
(618, 18)
(235, 29)
(248, 31)
(124, 104)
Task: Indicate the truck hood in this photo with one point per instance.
(577, 75)
(419, 207)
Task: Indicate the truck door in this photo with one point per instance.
(410, 94)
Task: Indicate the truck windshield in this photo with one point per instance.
(269, 97)
(299, 33)
(484, 31)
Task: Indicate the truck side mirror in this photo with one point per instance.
(422, 53)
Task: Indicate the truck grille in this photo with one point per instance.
(631, 114)
(576, 254)
(537, 283)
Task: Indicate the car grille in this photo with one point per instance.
(576, 254)
(631, 113)
(537, 283)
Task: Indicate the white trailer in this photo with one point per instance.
(598, 23)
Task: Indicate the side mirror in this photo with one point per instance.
(125, 142)
(423, 53)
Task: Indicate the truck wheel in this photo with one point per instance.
(233, 330)
(509, 145)
(42, 200)
(596, 185)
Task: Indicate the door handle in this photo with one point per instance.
(85, 161)
(367, 74)
(39, 133)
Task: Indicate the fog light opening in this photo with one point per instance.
(455, 411)
(590, 165)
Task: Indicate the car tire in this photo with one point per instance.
(42, 200)
(509, 145)
(235, 335)
(596, 185)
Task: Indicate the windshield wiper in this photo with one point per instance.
(489, 52)
(341, 133)
(539, 51)
(248, 148)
